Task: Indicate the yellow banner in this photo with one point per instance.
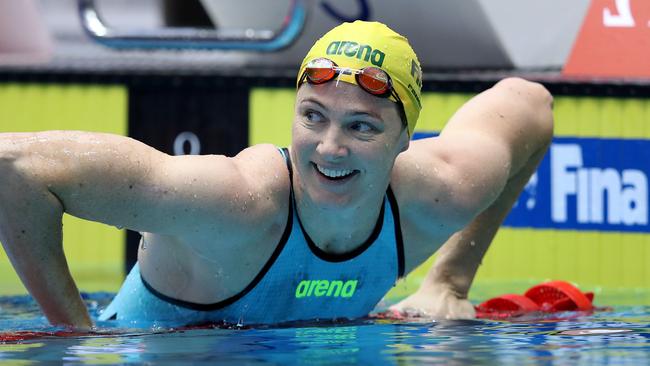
(95, 252)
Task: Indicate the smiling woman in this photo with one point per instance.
(341, 131)
(349, 208)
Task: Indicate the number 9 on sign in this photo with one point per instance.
(187, 138)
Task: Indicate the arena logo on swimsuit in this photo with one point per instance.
(319, 288)
(353, 49)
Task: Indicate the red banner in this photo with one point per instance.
(614, 41)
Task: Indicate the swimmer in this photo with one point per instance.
(319, 230)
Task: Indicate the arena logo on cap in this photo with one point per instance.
(353, 49)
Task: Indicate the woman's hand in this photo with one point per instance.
(435, 301)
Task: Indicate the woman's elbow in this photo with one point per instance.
(537, 101)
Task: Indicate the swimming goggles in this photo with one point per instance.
(371, 79)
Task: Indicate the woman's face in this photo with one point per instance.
(344, 143)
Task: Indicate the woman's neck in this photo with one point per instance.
(353, 224)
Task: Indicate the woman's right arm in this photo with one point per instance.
(110, 179)
(31, 234)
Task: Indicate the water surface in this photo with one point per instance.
(618, 336)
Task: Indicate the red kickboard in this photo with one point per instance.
(549, 297)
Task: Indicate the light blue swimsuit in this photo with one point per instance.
(300, 282)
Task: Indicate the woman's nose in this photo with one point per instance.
(332, 144)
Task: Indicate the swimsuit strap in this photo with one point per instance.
(292, 199)
(287, 158)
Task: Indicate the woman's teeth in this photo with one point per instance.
(333, 173)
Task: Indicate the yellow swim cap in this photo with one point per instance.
(362, 44)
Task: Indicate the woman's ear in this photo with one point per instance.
(404, 140)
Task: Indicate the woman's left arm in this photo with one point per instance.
(443, 293)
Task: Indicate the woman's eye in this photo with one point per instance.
(313, 116)
(363, 127)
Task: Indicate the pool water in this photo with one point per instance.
(617, 336)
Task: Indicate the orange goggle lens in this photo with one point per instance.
(374, 80)
(319, 75)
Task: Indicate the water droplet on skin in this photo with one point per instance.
(472, 243)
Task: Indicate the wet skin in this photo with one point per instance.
(211, 222)
(340, 128)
